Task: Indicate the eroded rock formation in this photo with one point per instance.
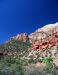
(22, 37)
(19, 37)
(45, 43)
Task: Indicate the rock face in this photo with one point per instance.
(44, 32)
(38, 36)
(46, 43)
(45, 37)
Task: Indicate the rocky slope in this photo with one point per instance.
(43, 39)
(39, 44)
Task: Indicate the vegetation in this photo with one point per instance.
(20, 61)
(49, 68)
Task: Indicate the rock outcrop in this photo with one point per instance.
(46, 43)
(21, 37)
(45, 37)
(44, 32)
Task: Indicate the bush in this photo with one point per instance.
(9, 66)
(49, 68)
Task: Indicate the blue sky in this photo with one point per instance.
(25, 16)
